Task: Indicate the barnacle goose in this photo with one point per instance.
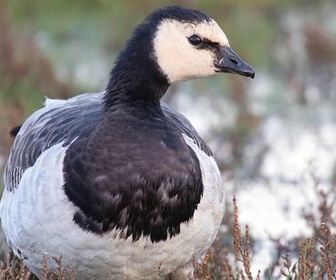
(117, 183)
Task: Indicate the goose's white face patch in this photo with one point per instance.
(179, 59)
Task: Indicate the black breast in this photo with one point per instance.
(134, 174)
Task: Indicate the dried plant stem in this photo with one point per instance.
(306, 259)
(327, 240)
(202, 270)
(241, 251)
(237, 235)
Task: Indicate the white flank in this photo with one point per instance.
(39, 224)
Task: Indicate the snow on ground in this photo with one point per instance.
(273, 206)
(294, 149)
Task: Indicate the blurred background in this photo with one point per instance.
(273, 137)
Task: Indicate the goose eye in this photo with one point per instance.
(195, 40)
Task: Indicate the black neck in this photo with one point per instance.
(129, 87)
(136, 75)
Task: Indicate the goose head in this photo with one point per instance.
(190, 45)
(172, 44)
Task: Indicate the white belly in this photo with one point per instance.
(37, 220)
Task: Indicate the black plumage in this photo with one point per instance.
(140, 153)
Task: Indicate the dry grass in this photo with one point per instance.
(316, 255)
(15, 269)
(202, 271)
(316, 260)
(242, 252)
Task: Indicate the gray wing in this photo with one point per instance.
(64, 121)
(184, 126)
(59, 121)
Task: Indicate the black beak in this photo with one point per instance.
(229, 62)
